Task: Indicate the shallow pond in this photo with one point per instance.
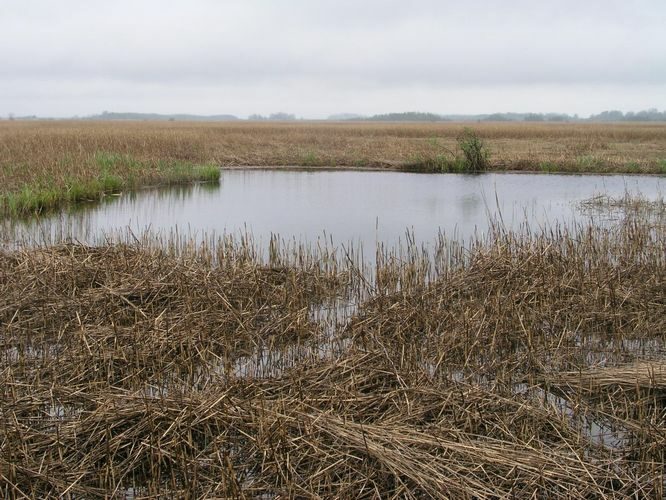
(346, 206)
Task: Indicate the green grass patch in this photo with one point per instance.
(208, 173)
(436, 164)
(310, 159)
(547, 166)
(589, 163)
(113, 161)
(179, 172)
(662, 166)
(35, 199)
(30, 199)
(109, 173)
(110, 183)
(633, 167)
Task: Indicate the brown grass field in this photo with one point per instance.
(579, 147)
(48, 162)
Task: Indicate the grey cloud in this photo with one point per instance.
(390, 46)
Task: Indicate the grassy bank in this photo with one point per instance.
(46, 187)
(45, 161)
(526, 366)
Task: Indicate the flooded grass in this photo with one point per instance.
(628, 203)
(520, 365)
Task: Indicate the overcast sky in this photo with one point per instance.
(318, 57)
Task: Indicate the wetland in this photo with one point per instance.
(335, 334)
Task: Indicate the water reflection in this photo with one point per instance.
(350, 206)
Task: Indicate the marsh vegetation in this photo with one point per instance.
(524, 364)
(48, 164)
(526, 361)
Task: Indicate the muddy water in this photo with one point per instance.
(346, 206)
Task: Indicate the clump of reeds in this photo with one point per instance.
(531, 303)
(524, 365)
(628, 205)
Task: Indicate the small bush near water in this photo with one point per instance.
(475, 152)
(472, 156)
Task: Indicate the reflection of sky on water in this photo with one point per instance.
(359, 206)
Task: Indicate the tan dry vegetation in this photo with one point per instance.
(528, 367)
(46, 164)
(34, 150)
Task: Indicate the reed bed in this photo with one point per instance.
(44, 164)
(520, 365)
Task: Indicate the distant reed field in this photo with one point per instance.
(44, 164)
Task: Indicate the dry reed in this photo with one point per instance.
(517, 367)
(54, 152)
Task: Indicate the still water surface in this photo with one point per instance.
(348, 206)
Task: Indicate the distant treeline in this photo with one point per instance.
(411, 116)
(106, 115)
(281, 116)
(650, 115)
